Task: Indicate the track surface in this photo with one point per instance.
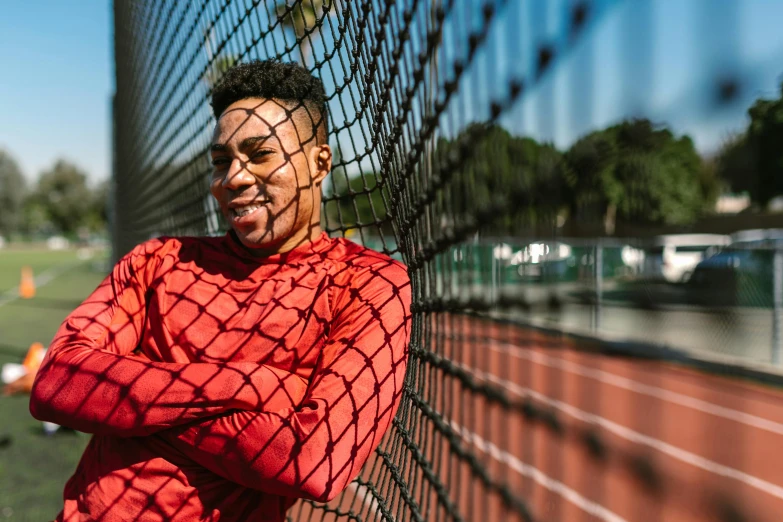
(676, 444)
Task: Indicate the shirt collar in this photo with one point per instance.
(308, 252)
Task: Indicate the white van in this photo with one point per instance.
(673, 257)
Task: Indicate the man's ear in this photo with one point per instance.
(321, 161)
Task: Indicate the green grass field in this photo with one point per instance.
(33, 466)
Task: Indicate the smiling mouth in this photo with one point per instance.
(246, 210)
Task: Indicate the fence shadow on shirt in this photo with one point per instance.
(278, 375)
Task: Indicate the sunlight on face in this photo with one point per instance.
(266, 175)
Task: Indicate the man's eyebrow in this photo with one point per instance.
(253, 140)
(246, 143)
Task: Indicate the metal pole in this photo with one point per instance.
(777, 304)
(598, 265)
(492, 286)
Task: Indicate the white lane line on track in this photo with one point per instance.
(526, 470)
(597, 510)
(370, 503)
(634, 436)
(643, 389)
(44, 278)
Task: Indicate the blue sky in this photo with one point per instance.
(55, 83)
(56, 63)
(652, 58)
(690, 43)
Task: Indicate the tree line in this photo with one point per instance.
(59, 202)
(635, 174)
(632, 172)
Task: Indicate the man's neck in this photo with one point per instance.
(300, 237)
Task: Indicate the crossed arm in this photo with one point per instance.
(91, 381)
(314, 450)
(245, 422)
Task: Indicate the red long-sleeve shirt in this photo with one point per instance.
(221, 386)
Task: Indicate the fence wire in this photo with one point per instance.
(501, 418)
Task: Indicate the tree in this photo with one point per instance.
(302, 16)
(500, 183)
(593, 186)
(35, 219)
(97, 214)
(637, 174)
(764, 138)
(64, 196)
(217, 68)
(353, 201)
(218, 60)
(12, 194)
(735, 166)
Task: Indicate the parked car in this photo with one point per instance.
(674, 257)
(543, 260)
(758, 238)
(741, 273)
(558, 261)
(724, 264)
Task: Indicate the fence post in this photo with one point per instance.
(598, 266)
(777, 304)
(493, 292)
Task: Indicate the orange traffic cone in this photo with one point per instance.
(34, 358)
(27, 285)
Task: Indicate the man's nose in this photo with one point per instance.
(237, 176)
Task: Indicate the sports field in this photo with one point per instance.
(33, 466)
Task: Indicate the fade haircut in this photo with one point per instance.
(289, 83)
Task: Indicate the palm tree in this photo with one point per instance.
(217, 65)
(218, 68)
(301, 16)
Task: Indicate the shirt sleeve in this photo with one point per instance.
(91, 381)
(316, 449)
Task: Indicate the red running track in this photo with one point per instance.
(679, 445)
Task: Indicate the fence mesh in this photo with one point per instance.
(502, 417)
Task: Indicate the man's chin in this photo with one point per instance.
(256, 240)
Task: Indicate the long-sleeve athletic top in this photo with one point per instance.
(221, 386)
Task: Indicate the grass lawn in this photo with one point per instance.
(12, 261)
(33, 466)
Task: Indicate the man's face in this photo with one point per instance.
(266, 174)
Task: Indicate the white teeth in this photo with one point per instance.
(244, 211)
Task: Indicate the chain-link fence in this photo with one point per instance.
(500, 149)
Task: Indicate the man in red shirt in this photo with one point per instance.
(223, 378)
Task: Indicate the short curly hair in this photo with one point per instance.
(289, 83)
